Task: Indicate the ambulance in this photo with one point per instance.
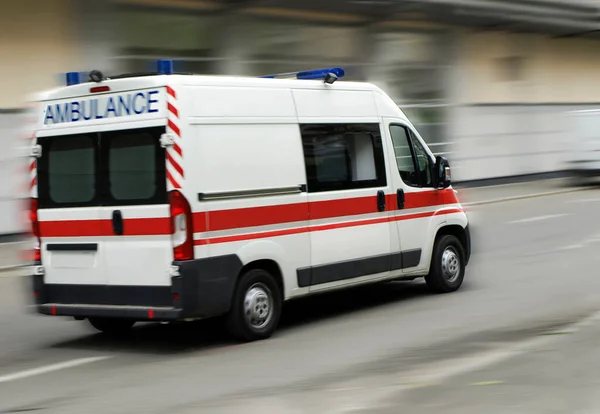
(172, 197)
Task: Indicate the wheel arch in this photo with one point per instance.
(270, 266)
(461, 233)
(266, 255)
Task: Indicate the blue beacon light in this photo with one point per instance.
(320, 73)
(165, 67)
(73, 78)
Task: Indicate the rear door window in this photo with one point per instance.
(103, 169)
(67, 174)
(136, 167)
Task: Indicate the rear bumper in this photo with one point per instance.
(201, 288)
(107, 311)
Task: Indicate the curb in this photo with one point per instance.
(13, 272)
(12, 267)
(523, 197)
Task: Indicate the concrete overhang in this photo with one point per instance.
(555, 17)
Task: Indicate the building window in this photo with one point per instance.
(343, 156)
(147, 35)
(511, 69)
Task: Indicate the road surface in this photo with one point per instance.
(533, 270)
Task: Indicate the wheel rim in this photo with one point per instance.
(450, 264)
(258, 306)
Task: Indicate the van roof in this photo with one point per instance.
(153, 81)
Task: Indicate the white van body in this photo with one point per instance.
(584, 132)
(298, 179)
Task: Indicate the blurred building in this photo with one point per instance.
(485, 81)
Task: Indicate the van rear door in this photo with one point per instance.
(68, 199)
(104, 212)
(135, 209)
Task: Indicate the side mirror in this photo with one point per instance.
(442, 172)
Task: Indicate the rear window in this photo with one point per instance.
(136, 166)
(71, 169)
(110, 168)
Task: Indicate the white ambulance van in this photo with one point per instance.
(170, 197)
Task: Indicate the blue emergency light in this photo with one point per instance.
(165, 67)
(326, 73)
(73, 78)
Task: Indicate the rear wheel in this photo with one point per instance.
(112, 326)
(447, 269)
(256, 306)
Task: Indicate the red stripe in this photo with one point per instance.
(177, 149)
(32, 166)
(250, 217)
(452, 211)
(290, 213)
(172, 109)
(33, 182)
(80, 228)
(175, 164)
(171, 92)
(343, 207)
(172, 180)
(423, 199)
(221, 220)
(323, 227)
(174, 128)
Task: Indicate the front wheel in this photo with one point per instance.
(112, 326)
(447, 269)
(256, 306)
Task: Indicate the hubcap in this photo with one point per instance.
(450, 264)
(258, 306)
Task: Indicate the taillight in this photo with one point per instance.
(35, 229)
(181, 227)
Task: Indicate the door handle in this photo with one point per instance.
(400, 198)
(117, 222)
(380, 200)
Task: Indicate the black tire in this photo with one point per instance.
(447, 269)
(256, 307)
(112, 326)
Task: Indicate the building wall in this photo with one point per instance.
(14, 175)
(38, 41)
(525, 68)
(510, 96)
(492, 102)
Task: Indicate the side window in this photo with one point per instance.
(424, 163)
(413, 161)
(343, 156)
(404, 155)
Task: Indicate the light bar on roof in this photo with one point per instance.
(308, 74)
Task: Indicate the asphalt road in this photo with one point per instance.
(365, 350)
(548, 374)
